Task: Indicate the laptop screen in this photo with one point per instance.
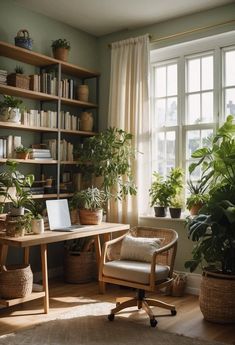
(58, 214)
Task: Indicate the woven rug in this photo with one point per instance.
(88, 325)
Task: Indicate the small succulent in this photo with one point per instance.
(19, 70)
(23, 149)
(61, 43)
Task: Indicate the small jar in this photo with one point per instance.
(86, 121)
(83, 93)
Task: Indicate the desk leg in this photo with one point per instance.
(26, 255)
(3, 254)
(98, 256)
(45, 277)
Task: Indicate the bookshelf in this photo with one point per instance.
(62, 68)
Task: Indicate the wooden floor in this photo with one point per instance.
(188, 321)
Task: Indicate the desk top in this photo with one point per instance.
(58, 236)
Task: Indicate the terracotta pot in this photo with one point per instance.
(61, 54)
(195, 209)
(90, 217)
(22, 155)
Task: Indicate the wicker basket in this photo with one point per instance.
(16, 281)
(79, 268)
(216, 299)
(89, 217)
(18, 80)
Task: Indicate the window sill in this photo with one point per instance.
(167, 218)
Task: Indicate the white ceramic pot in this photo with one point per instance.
(11, 115)
(37, 226)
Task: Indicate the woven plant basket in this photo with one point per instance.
(216, 298)
(16, 281)
(74, 216)
(179, 285)
(18, 80)
(90, 217)
(79, 268)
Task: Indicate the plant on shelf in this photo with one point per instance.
(213, 230)
(19, 70)
(90, 203)
(198, 195)
(162, 190)
(22, 152)
(10, 109)
(60, 49)
(15, 188)
(108, 155)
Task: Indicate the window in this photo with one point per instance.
(193, 90)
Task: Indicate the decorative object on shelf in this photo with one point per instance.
(86, 121)
(212, 231)
(18, 79)
(16, 281)
(83, 93)
(22, 152)
(23, 40)
(10, 109)
(90, 203)
(61, 49)
(162, 192)
(79, 261)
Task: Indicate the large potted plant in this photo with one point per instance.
(162, 190)
(90, 203)
(108, 156)
(213, 230)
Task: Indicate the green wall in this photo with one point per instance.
(166, 28)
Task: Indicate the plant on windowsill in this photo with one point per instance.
(162, 190)
(60, 48)
(175, 206)
(22, 152)
(212, 231)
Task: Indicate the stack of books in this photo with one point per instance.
(3, 76)
(38, 154)
(8, 145)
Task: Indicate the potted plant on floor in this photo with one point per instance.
(212, 231)
(60, 48)
(162, 190)
(90, 203)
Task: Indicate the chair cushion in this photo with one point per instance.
(139, 248)
(134, 271)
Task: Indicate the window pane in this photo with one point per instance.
(193, 75)
(171, 115)
(160, 112)
(193, 142)
(230, 101)
(207, 107)
(161, 146)
(193, 115)
(230, 68)
(170, 146)
(160, 85)
(207, 72)
(172, 80)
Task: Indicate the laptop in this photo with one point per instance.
(59, 216)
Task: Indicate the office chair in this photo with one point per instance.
(142, 259)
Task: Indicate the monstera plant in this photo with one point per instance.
(213, 230)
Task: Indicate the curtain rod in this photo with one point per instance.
(187, 32)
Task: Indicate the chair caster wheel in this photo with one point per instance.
(173, 312)
(111, 317)
(153, 322)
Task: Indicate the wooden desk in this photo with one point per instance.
(42, 240)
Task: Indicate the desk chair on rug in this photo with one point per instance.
(142, 259)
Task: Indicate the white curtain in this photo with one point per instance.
(129, 110)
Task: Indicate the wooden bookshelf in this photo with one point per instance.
(18, 92)
(27, 128)
(51, 196)
(30, 161)
(77, 103)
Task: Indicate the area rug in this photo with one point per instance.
(88, 325)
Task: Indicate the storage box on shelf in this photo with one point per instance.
(43, 87)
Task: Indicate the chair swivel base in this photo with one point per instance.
(142, 303)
